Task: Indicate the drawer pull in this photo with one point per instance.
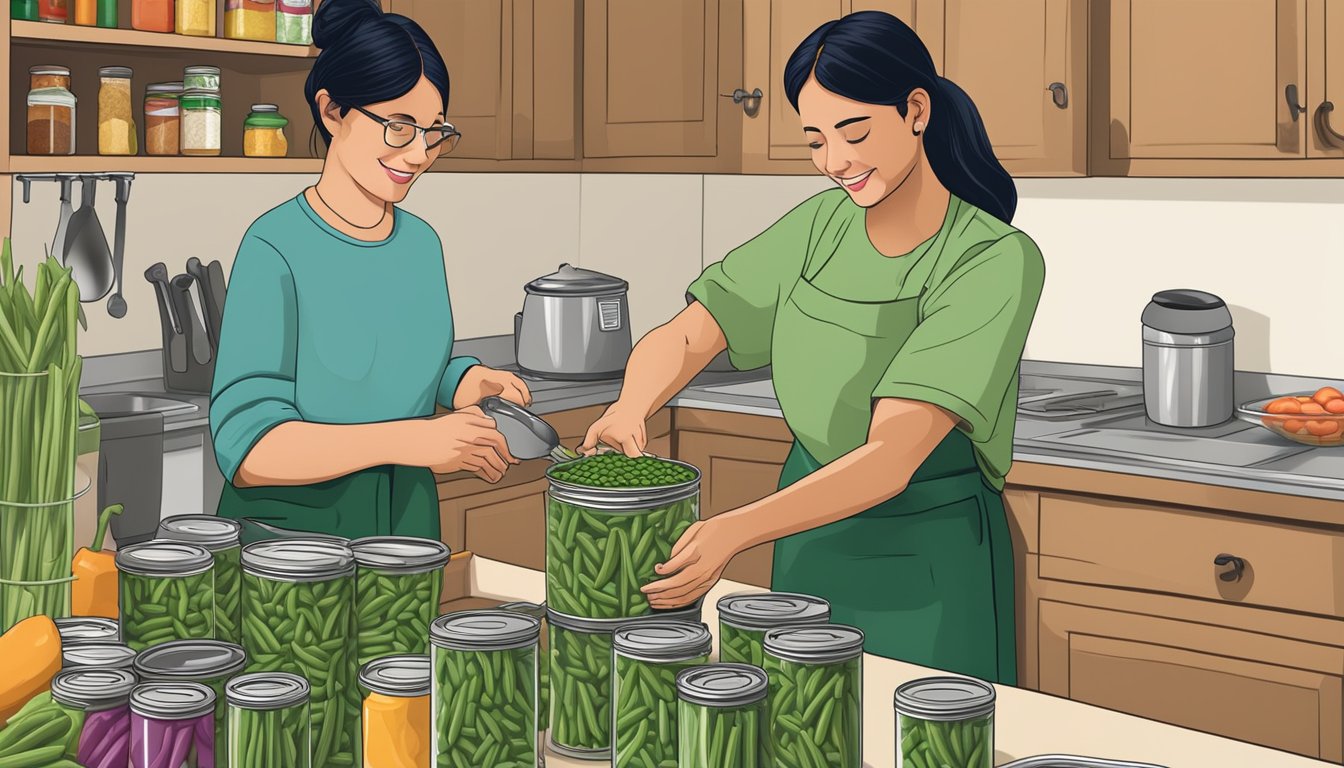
(1238, 567)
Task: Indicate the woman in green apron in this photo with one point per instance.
(893, 312)
(338, 334)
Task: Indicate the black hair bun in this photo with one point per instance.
(338, 19)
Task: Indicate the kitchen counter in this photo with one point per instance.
(1026, 723)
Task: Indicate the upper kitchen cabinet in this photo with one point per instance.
(1325, 61)
(655, 77)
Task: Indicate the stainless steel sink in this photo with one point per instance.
(114, 404)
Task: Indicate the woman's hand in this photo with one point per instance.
(480, 382)
(465, 440)
(696, 563)
(621, 428)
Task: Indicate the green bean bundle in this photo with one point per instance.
(945, 722)
(581, 688)
(744, 618)
(647, 659)
(221, 537)
(720, 716)
(268, 721)
(167, 592)
(816, 697)
(397, 589)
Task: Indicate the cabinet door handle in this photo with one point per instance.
(1327, 132)
(751, 102)
(1238, 567)
(1295, 107)
(1059, 93)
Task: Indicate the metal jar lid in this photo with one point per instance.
(92, 689)
(400, 554)
(484, 631)
(173, 90)
(87, 629)
(164, 559)
(194, 660)
(298, 559)
(120, 73)
(49, 69)
(824, 644)
(690, 613)
(535, 610)
(200, 70)
(768, 610)
(99, 655)
(265, 108)
(945, 698)
(662, 641)
(210, 531)
(400, 676)
(722, 685)
(622, 500)
(572, 281)
(172, 701)
(266, 691)
(1187, 313)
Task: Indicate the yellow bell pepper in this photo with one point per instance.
(94, 592)
(30, 655)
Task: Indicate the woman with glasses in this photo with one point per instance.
(337, 339)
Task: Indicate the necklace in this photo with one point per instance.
(327, 205)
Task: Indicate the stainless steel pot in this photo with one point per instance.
(1188, 359)
(575, 325)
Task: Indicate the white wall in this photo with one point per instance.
(1271, 248)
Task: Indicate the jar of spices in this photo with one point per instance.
(200, 78)
(249, 19)
(201, 123)
(56, 11)
(48, 77)
(23, 10)
(826, 659)
(196, 17)
(152, 15)
(945, 721)
(116, 124)
(51, 122)
(102, 13)
(98, 703)
(294, 22)
(163, 122)
(396, 711)
(208, 662)
(171, 724)
(268, 721)
(264, 136)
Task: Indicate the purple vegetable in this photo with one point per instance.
(101, 731)
(118, 753)
(205, 742)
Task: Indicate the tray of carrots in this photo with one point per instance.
(1311, 418)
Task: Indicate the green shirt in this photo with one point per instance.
(973, 289)
(321, 327)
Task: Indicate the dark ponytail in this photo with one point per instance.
(876, 58)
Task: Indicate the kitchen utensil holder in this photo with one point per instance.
(181, 371)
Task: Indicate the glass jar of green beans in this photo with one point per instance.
(268, 721)
(398, 582)
(167, 592)
(98, 656)
(87, 629)
(97, 703)
(299, 618)
(221, 537)
(208, 662)
(816, 696)
(945, 721)
(720, 714)
(647, 657)
(484, 696)
(538, 612)
(609, 520)
(744, 618)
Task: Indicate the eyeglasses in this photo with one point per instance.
(399, 133)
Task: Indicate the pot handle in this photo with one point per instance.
(517, 329)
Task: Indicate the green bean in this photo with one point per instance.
(265, 738)
(815, 710)
(645, 708)
(228, 598)
(474, 694)
(959, 744)
(741, 646)
(615, 470)
(158, 609)
(580, 714)
(718, 737)
(393, 612)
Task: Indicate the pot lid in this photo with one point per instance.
(572, 281)
(1187, 312)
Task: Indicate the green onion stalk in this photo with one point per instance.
(39, 419)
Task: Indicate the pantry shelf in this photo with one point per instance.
(39, 33)
(100, 164)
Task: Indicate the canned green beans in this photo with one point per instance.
(268, 721)
(87, 629)
(299, 618)
(167, 593)
(744, 619)
(220, 536)
(816, 697)
(484, 696)
(580, 686)
(616, 470)
(647, 658)
(945, 721)
(721, 713)
(538, 612)
(98, 656)
(397, 586)
(208, 662)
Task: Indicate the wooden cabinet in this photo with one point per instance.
(1325, 62)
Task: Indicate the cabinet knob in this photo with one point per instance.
(1238, 567)
(751, 102)
(1327, 132)
(1059, 93)
(1295, 107)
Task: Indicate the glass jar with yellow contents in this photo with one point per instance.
(116, 124)
(264, 132)
(250, 20)
(396, 711)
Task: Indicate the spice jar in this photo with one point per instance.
(200, 123)
(48, 77)
(53, 10)
(745, 618)
(116, 124)
(294, 22)
(171, 725)
(208, 662)
(945, 721)
(647, 659)
(78, 630)
(249, 19)
(485, 671)
(102, 13)
(264, 136)
(825, 659)
(268, 716)
(167, 593)
(222, 538)
(163, 128)
(196, 17)
(396, 711)
(98, 702)
(99, 656)
(398, 578)
(200, 78)
(152, 15)
(720, 711)
(51, 122)
(23, 10)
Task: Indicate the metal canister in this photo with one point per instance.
(1188, 359)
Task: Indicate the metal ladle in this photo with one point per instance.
(527, 434)
(86, 250)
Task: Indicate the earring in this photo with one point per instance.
(919, 128)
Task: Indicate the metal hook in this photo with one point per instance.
(751, 102)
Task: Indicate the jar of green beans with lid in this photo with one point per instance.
(647, 657)
(745, 618)
(538, 612)
(97, 702)
(208, 662)
(98, 656)
(221, 537)
(268, 721)
(816, 696)
(721, 714)
(398, 582)
(87, 629)
(172, 725)
(945, 721)
(167, 592)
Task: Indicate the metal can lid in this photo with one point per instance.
(722, 685)
(767, 610)
(174, 89)
(404, 554)
(195, 660)
(49, 69)
(100, 655)
(266, 690)
(690, 613)
(167, 559)
(401, 676)
(117, 72)
(265, 108)
(945, 698)
(660, 641)
(87, 629)
(172, 701)
(822, 644)
(535, 610)
(484, 631)
(92, 688)
(298, 559)
(209, 531)
(200, 70)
